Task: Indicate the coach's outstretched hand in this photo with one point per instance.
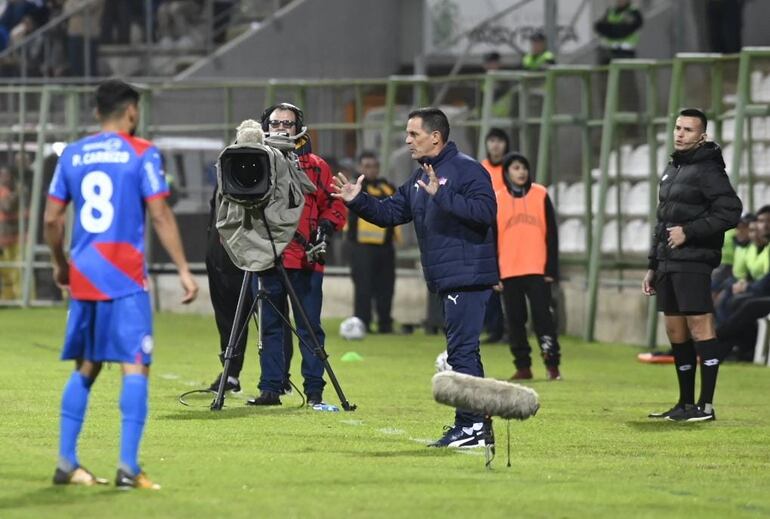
(432, 186)
(344, 189)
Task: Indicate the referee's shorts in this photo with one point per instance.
(684, 293)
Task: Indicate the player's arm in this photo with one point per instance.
(165, 226)
(53, 230)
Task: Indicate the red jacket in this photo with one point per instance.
(318, 206)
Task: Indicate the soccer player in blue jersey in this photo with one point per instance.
(110, 178)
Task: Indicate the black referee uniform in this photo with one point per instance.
(694, 194)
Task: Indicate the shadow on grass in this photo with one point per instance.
(424, 452)
(51, 495)
(665, 426)
(229, 413)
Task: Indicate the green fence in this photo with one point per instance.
(573, 115)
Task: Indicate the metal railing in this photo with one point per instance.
(43, 113)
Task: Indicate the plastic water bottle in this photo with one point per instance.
(326, 407)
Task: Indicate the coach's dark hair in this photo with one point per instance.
(694, 112)
(367, 154)
(113, 96)
(433, 120)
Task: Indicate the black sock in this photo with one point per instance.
(711, 354)
(685, 361)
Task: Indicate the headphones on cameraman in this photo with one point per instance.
(298, 115)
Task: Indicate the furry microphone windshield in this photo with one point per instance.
(485, 395)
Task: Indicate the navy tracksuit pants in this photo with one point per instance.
(464, 321)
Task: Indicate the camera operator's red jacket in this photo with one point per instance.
(318, 206)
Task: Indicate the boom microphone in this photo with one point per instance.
(485, 395)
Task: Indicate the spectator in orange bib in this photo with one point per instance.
(528, 259)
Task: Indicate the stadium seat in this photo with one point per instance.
(638, 163)
(637, 199)
(636, 236)
(572, 202)
(610, 237)
(572, 235)
(611, 206)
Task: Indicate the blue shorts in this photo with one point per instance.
(117, 330)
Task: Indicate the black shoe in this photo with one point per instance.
(235, 387)
(314, 399)
(665, 414)
(265, 398)
(286, 389)
(462, 437)
(125, 481)
(692, 413)
(79, 476)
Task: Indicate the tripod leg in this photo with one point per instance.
(239, 321)
(319, 350)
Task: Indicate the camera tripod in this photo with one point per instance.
(241, 321)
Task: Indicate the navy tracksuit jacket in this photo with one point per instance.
(455, 233)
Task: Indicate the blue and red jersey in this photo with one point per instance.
(108, 177)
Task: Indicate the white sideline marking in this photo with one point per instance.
(391, 430)
(169, 376)
(352, 422)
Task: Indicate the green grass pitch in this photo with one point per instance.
(590, 451)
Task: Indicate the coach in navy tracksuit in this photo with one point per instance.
(451, 201)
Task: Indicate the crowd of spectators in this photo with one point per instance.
(72, 46)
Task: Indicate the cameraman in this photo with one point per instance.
(303, 260)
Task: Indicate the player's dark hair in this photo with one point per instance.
(367, 154)
(764, 209)
(694, 112)
(113, 96)
(433, 120)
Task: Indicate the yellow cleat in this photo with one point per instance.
(79, 476)
(126, 481)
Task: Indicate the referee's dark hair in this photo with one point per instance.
(433, 120)
(113, 96)
(694, 112)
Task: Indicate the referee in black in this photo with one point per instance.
(696, 205)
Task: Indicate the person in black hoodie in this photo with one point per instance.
(696, 206)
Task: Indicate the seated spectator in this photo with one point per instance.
(735, 246)
(21, 18)
(82, 31)
(176, 21)
(749, 265)
(116, 21)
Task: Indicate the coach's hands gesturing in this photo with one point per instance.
(432, 186)
(345, 190)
